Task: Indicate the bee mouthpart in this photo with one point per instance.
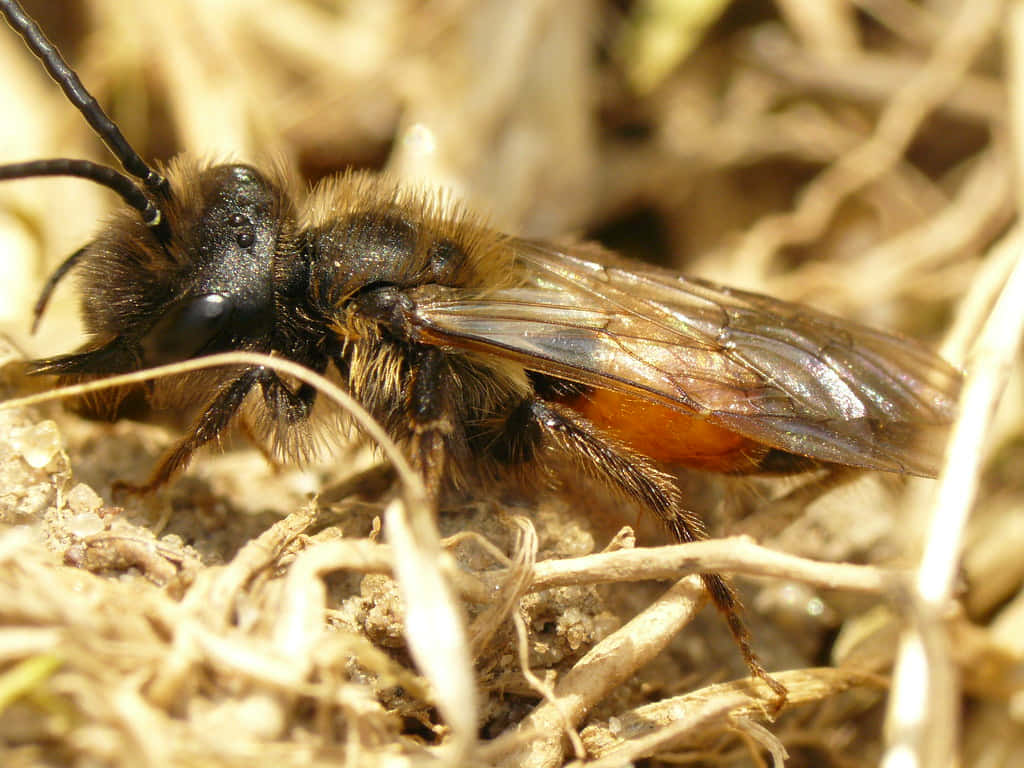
(112, 358)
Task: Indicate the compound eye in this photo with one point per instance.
(186, 329)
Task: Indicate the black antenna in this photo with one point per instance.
(125, 188)
(51, 284)
(57, 68)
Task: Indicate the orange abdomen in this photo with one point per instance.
(668, 435)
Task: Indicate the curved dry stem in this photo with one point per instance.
(671, 723)
(926, 690)
(415, 494)
(538, 740)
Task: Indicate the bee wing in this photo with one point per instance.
(779, 373)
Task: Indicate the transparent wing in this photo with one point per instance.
(782, 374)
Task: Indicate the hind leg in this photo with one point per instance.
(537, 425)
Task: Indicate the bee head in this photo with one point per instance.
(200, 283)
(187, 268)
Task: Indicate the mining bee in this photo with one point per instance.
(485, 356)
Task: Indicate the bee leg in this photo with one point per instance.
(370, 484)
(289, 407)
(430, 410)
(209, 426)
(632, 475)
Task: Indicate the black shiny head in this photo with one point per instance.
(209, 288)
(225, 299)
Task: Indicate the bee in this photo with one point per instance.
(485, 356)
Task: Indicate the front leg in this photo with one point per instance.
(209, 426)
(288, 407)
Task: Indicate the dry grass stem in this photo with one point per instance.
(606, 666)
(923, 715)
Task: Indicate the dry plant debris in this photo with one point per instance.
(860, 155)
